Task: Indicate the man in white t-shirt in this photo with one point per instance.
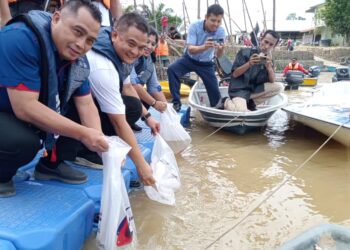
(116, 99)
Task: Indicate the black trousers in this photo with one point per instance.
(19, 143)
(68, 148)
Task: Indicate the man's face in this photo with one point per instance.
(212, 22)
(129, 44)
(151, 45)
(267, 44)
(294, 61)
(73, 34)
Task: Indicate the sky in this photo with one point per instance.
(283, 8)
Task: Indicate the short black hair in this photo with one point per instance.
(272, 33)
(74, 5)
(294, 58)
(215, 9)
(131, 19)
(153, 32)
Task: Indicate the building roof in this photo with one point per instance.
(313, 8)
(291, 25)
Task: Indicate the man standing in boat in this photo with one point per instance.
(253, 79)
(205, 37)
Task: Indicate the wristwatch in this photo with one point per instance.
(146, 116)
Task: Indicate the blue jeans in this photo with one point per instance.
(205, 70)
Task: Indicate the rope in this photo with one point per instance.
(277, 188)
(217, 130)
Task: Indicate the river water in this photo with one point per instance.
(226, 176)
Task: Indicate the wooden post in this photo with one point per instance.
(199, 9)
(274, 15)
(229, 16)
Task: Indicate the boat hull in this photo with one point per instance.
(236, 122)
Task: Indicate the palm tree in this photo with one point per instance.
(159, 11)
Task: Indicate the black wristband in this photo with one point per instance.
(146, 116)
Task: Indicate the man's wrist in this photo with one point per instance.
(146, 116)
(153, 103)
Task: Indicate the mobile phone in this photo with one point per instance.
(216, 40)
(262, 59)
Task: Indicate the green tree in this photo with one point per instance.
(159, 11)
(336, 16)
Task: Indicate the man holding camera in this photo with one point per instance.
(253, 79)
(204, 37)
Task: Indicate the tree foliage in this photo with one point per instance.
(159, 11)
(336, 15)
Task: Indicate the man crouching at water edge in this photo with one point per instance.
(42, 67)
(124, 43)
(205, 37)
(253, 78)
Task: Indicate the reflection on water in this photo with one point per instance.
(227, 175)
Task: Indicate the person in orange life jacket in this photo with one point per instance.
(117, 101)
(294, 65)
(43, 68)
(144, 72)
(162, 50)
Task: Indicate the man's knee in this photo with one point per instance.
(237, 104)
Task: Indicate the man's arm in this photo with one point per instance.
(269, 68)
(88, 112)
(116, 9)
(5, 14)
(196, 49)
(302, 69)
(26, 107)
(253, 60)
(124, 131)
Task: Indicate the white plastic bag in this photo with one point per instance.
(165, 172)
(116, 227)
(172, 131)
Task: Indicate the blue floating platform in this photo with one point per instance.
(45, 217)
(6, 245)
(50, 215)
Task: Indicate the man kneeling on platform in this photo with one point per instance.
(253, 78)
(116, 99)
(43, 67)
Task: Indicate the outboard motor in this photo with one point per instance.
(294, 78)
(341, 74)
(314, 71)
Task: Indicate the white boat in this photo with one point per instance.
(326, 111)
(237, 122)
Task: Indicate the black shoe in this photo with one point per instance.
(251, 105)
(90, 159)
(135, 184)
(135, 127)
(7, 189)
(177, 106)
(62, 172)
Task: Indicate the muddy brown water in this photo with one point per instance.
(227, 175)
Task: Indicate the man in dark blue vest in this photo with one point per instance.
(43, 67)
(117, 100)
